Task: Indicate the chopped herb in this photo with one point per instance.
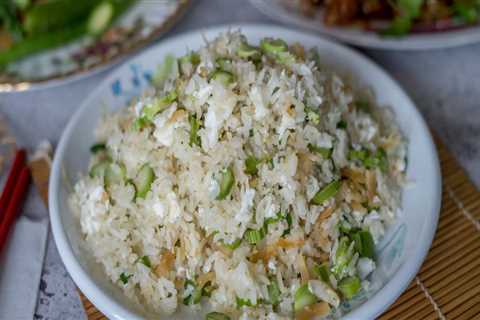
(246, 51)
(342, 257)
(322, 272)
(194, 127)
(195, 295)
(97, 147)
(234, 245)
(377, 160)
(143, 181)
(227, 181)
(125, 277)
(289, 219)
(364, 244)
(222, 76)
(274, 292)
(98, 169)
(324, 152)
(303, 297)
(145, 260)
(327, 192)
(243, 302)
(357, 155)
(254, 236)
(251, 164)
(312, 116)
(342, 124)
(349, 287)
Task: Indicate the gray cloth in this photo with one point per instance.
(442, 83)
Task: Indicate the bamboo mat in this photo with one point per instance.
(448, 284)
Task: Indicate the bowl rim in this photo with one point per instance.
(115, 310)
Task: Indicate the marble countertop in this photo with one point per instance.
(443, 84)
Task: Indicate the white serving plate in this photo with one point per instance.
(278, 10)
(400, 254)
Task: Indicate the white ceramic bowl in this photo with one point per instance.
(401, 252)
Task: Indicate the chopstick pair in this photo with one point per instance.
(13, 194)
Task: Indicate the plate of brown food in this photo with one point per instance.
(50, 42)
(383, 24)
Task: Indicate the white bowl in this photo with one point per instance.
(400, 253)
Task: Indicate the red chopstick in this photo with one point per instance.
(18, 164)
(14, 204)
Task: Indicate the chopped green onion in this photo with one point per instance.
(248, 52)
(342, 124)
(125, 277)
(273, 46)
(194, 127)
(377, 160)
(324, 152)
(327, 192)
(98, 169)
(227, 181)
(143, 181)
(312, 116)
(342, 256)
(114, 174)
(274, 292)
(196, 294)
(97, 147)
(234, 245)
(158, 105)
(145, 260)
(224, 63)
(216, 316)
(243, 302)
(303, 297)
(364, 244)
(251, 165)
(357, 155)
(254, 236)
(349, 286)
(289, 219)
(322, 272)
(140, 123)
(222, 76)
(165, 69)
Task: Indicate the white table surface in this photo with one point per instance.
(445, 85)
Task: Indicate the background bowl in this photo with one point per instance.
(400, 253)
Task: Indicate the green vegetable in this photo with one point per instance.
(216, 316)
(158, 105)
(40, 42)
(274, 292)
(9, 20)
(21, 4)
(358, 155)
(322, 272)
(273, 46)
(289, 219)
(251, 164)
(227, 181)
(349, 287)
(196, 294)
(254, 236)
(165, 70)
(98, 169)
(125, 277)
(248, 52)
(303, 297)
(342, 124)
(327, 192)
(143, 181)
(224, 63)
(145, 260)
(194, 127)
(377, 160)
(97, 147)
(364, 244)
(324, 152)
(189, 59)
(234, 245)
(100, 18)
(114, 174)
(48, 16)
(342, 257)
(312, 116)
(222, 76)
(243, 302)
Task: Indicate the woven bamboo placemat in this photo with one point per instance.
(448, 284)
